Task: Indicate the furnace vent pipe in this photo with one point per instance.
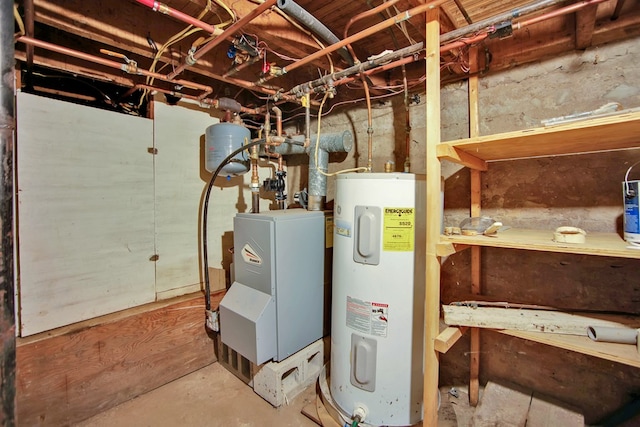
(329, 143)
(296, 11)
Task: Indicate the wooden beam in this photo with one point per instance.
(433, 219)
(476, 284)
(448, 248)
(518, 319)
(73, 373)
(448, 338)
(461, 157)
(585, 24)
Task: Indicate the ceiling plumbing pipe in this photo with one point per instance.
(333, 78)
(295, 11)
(128, 67)
(385, 67)
(362, 15)
(163, 8)
(131, 69)
(558, 12)
(230, 30)
(363, 78)
(329, 143)
(401, 17)
(506, 16)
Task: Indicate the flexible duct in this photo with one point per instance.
(295, 11)
(329, 143)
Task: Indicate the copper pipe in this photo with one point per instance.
(129, 68)
(365, 84)
(157, 89)
(385, 67)
(362, 15)
(29, 13)
(367, 96)
(233, 70)
(230, 30)
(255, 181)
(558, 12)
(464, 42)
(365, 33)
(278, 120)
(407, 159)
(163, 8)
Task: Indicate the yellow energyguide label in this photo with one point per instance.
(398, 229)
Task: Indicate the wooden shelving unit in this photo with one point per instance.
(602, 244)
(613, 132)
(620, 353)
(616, 132)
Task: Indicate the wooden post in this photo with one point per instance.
(474, 130)
(7, 306)
(434, 220)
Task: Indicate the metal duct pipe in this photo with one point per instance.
(7, 295)
(295, 11)
(329, 143)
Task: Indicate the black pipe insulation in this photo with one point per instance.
(228, 104)
(295, 11)
(7, 304)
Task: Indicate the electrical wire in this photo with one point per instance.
(19, 21)
(181, 35)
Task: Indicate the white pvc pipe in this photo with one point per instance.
(617, 335)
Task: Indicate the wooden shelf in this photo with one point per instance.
(615, 132)
(601, 244)
(620, 353)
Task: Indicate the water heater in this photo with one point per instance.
(378, 297)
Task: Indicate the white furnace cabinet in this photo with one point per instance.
(274, 307)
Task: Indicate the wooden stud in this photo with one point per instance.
(434, 219)
(476, 288)
(448, 338)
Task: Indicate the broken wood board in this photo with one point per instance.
(533, 320)
(70, 376)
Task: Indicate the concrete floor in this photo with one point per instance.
(214, 397)
(209, 397)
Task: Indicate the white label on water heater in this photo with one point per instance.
(369, 317)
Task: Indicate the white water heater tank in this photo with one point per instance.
(378, 297)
